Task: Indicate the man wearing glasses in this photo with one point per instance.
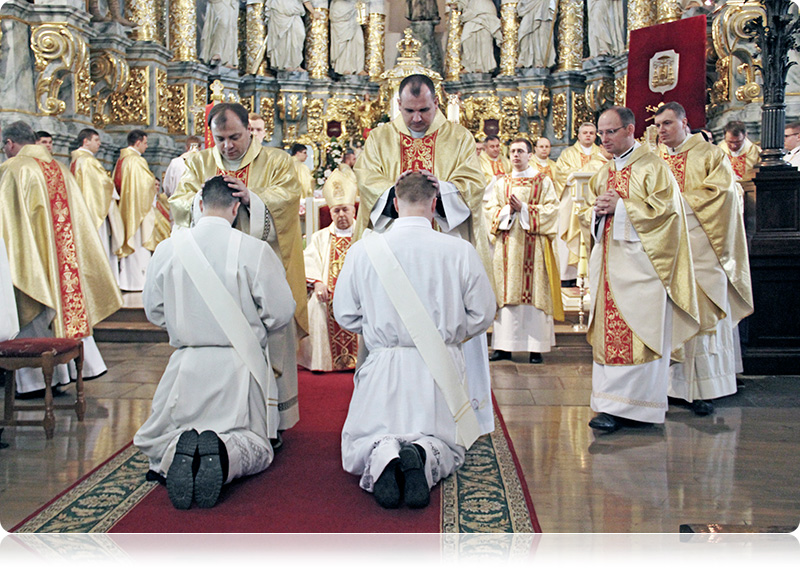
(641, 253)
(791, 142)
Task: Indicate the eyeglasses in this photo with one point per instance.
(790, 135)
(608, 132)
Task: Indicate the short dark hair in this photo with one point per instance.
(625, 115)
(217, 114)
(491, 138)
(673, 106)
(793, 125)
(415, 83)
(42, 135)
(217, 193)
(297, 147)
(414, 187)
(86, 133)
(19, 132)
(528, 144)
(135, 136)
(349, 151)
(707, 135)
(735, 128)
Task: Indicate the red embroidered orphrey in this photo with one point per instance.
(677, 164)
(73, 303)
(343, 343)
(417, 154)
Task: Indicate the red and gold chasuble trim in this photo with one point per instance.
(73, 303)
(585, 158)
(343, 343)
(417, 154)
(739, 164)
(618, 342)
(497, 167)
(117, 174)
(242, 174)
(677, 164)
(531, 193)
(546, 170)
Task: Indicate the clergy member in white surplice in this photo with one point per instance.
(328, 346)
(524, 221)
(222, 295)
(415, 295)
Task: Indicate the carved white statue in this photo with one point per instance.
(480, 26)
(286, 33)
(606, 27)
(347, 38)
(220, 33)
(536, 35)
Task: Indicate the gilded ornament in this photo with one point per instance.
(58, 52)
(255, 32)
(559, 114)
(669, 11)
(199, 94)
(620, 86)
(143, 13)
(268, 114)
(110, 73)
(581, 113)
(453, 53)
(171, 111)
(314, 120)
(132, 106)
(376, 34)
(509, 126)
(317, 46)
(641, 14)
(183, 30)
(508, 49)
(570, 33)
(732, 42)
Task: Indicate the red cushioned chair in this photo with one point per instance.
(44, 353)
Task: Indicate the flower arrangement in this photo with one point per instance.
(334, 152)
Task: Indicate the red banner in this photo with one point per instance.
(666, 63)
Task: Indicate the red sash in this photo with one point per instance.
(73, 303)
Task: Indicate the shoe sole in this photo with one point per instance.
(208, 481)
(416, 492)
(386, 489)
(180, 481)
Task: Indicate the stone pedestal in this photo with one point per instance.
(567, 90)
(771, 335)
(535, 98)
(291, 105)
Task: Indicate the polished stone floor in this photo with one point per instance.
(739, 468)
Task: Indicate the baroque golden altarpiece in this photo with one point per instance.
(64, 71)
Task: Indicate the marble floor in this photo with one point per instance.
(737, 468)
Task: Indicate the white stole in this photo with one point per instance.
(426, 338)
(229, 315)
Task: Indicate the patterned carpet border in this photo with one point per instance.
(99, 501)
(485, 496)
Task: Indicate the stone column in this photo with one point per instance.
(452, 62)
(376, 39)
(510, 27)
(183, 30)
(143, 13)
(669, 11)
(317, 60)
(255, 60)
(570, 34)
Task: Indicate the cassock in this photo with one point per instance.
(448, 151)
(641, 252)
(62, 282)
(328, 346)
(744, 160)
(575, 158)
(206, 385)
(525, 270)
(271, 176)
(174, 172)
(137, 191)
(101, 197)
(721, 266)
(395, 398)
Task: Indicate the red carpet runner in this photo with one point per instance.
(305, 490)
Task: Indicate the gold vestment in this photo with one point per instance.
(95, 184)
(447, 150)
(270, 174)
(54, 250)
(492, 168)
(136, 186)
(525, 269)
(305, 178)
(744, 163)
(624, 329)
(707, 183)
(573, 159)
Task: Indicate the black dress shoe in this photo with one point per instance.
(416, 492)
(180, 477)
(499, 355)
(702, 407)
(387, 488)
(535, 358)
(605, 422)
(209, 478)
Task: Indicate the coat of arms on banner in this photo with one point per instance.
(664, 71)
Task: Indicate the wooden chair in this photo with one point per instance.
(44, 353)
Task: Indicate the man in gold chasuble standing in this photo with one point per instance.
(62, 282)
(719, 253)
(266, 182)
(421, 139)
(644, 301)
